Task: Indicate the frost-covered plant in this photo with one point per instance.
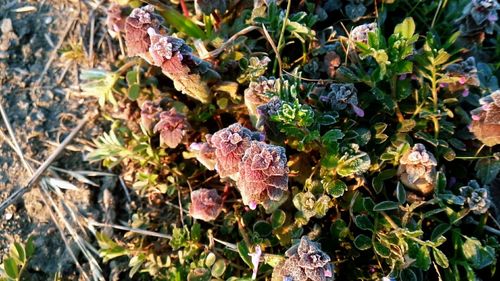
(341, 96)
(267, 110)
(254, 70)
(136, 31)
(305, 262)
(204, 153)
(206, 204)
(256, 95)
(149, 115)
(172, 127)
(417, 169)
(360, 32)
(479, 16)
(189, 73)
(476, 197)
(230, 145)
(465, 72)
(263, 174)
(486, 120)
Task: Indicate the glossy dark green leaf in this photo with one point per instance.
(243, 251)
(363, 242)
(134, 91)
(10, 267)
(263, 228)
(487, 169)
(400, 193)
(364, 222)
(381, 250)
(278, 218)
(423, 258)
(386, 206)
(407, 274)
(440, 230)
(335, 188)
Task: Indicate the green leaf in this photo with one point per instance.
(381, 250)
(440, 258)
(10, 267)
(408, 275)
(487, 169)
(378, 181)
(263, 228)
(423, 258)
(218, 268)
(278, 218)
(364, 222)
(406, 28)
(131, 77)
(182, 23)
(335, 188)
(400, 193)
(210, 259)
(134, 91)
(478, 255)
(439, 231)
(363, 242)
(30, 247)
(385, 206)
(243, 251)
(403, 67)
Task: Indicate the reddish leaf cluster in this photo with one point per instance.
(417, 169)
(486, 119)
(206, 204)
(149, 115)
(466, 72)
(144, 37)
(259, 169)
(172, 127)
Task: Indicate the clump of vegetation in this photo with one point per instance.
(365, 146)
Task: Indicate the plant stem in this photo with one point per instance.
(282, 34)
(393, 83)
(435, 102)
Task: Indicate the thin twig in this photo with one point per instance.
(136, 230)
(36, 175)
(223, 47)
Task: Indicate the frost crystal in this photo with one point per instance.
(486, 119)
(230, 144)
(149, 115)
(417, 169)
(205, 153)
(206, 204)
(255, 94)
(265, 112)
(172, 127)
(360, 32)
(305, 262)
(340, 97)
(466, 71)
(479, 16)
(476, 197)
(263, 174)
(136, 35)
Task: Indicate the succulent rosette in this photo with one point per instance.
(486, 120)
(417, 169)
(476, 197)
(206, 204)
(263, 174)
(230, 144)
(305, 262)
(172, 127)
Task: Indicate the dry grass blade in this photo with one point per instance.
(45, 165)
(136, 230)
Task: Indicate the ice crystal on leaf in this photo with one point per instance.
(136, 31)
(230, 144)
(479, 16)
(360, 32)
(466, 72)
(255, 95)
(341, 96)
(417, 169)
(486, 119)
(206, 204)
(305, 262)
(476, 197)
(172, 128)
(263, 174)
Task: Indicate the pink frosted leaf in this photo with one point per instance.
(206, 204)
(172, 128)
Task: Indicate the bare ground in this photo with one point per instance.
(39, 91)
